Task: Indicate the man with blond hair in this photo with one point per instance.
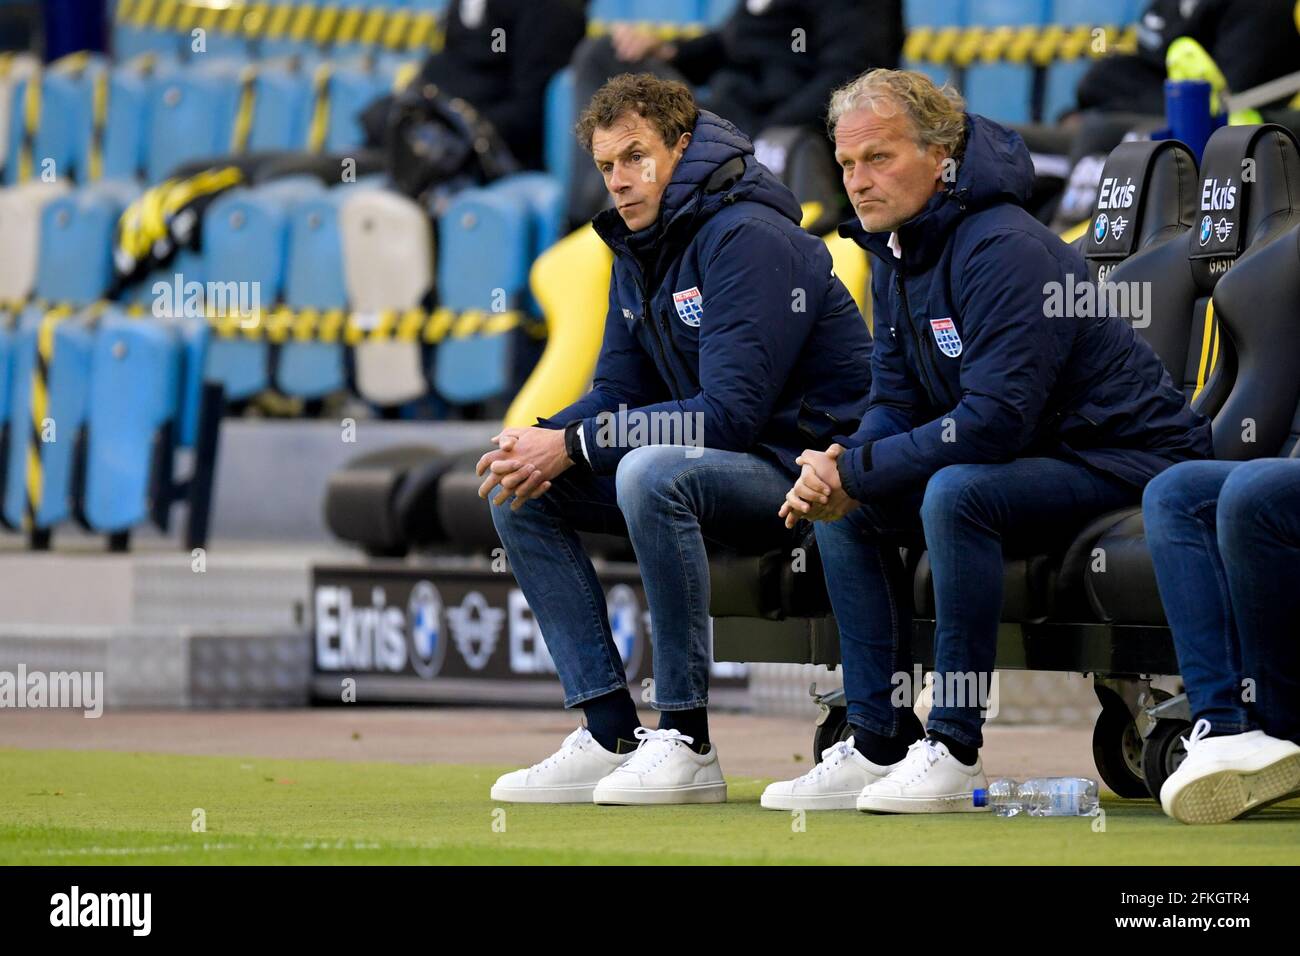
(993, 425)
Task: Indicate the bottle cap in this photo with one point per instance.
(981, 798)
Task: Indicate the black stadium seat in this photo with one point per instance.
(1258, 305)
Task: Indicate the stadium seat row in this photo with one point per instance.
(1016, 60)
(86, 119)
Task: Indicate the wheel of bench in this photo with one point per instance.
(1163, 752)
(831, 728)
(1117, 751)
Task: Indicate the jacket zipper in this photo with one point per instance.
(650, 319)
(922, 345)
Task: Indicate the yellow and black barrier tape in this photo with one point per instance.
(331, 326)
(419, 30)
(323, 24)
(39, 406)
(339, 326)
(664, 31)
(1034, 45)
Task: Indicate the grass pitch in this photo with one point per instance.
(90, 807)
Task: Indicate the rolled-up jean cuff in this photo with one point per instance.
(955, 731)
(1228, 727)
(577, 700)
(681, 704)
(878, 727)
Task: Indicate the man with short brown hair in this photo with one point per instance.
(729, 344)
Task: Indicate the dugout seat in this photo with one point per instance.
(1257, 303)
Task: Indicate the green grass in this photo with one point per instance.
(107, 807)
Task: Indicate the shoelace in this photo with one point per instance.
(832, 757)
(647, 756)
(1199, 732)
(571, 743)
(921, 756)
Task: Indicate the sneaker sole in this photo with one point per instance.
(1229, 794)
(543, 794)
(696, 793)
(829, 801)
(948, 803)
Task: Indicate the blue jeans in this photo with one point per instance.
(670, 505)
(1225, 539)
(967, 514)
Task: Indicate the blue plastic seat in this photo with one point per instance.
(1062, 78)
(245, 245)
(67, 388)
(680, 12)
(192, 113)
(280, 110)
(935, 14)
(559, 146)
(314, 279)
(64, 103)
(126, 134)
(1003, 91)
(718, 10)
(351, 90)
(135, 384)
(76, 251)
(485, 238)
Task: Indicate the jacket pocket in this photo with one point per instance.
(818, 427)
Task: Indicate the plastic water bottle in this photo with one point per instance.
(1059, 797)
(1040, 797)
(1002, 796)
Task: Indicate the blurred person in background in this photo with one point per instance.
(498, 56)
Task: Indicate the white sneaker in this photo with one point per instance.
(1223, 778)
(928, 780)
(567, 776)
(834, 784)
(664, 769)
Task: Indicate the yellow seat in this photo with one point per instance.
(570, 281)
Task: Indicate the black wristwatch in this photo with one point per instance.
(573, 443)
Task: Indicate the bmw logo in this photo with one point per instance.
(424, 642)
(1207, 230)
(1100, 227)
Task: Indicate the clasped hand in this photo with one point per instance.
(818, 495)
(523, 464)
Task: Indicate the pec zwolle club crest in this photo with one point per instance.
(945, 334)
(690, 306)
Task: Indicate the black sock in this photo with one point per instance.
(882, 750)
(694, 723)
(964, 753)
(612, 718)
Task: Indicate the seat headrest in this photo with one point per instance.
(1250, 191)
(1147, 194)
